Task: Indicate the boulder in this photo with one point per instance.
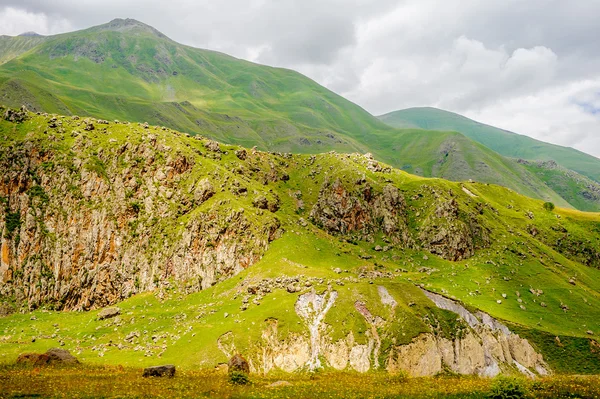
(239, 364)
(107, 313)
(54, 356)
(167, 370)
(63, 356)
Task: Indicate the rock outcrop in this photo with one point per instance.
(445, 233)
(361, 212)
(88, 229)
(484, 347)
(487, 349)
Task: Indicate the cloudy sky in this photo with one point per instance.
(532, 66)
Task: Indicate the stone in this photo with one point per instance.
(260, 202)
(238, 364)
(292, 288)
(107, 313)
(63, 356)
(54, 357)
(212, 146)
(160, 371)
(241, 154)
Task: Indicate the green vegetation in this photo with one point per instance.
(507, 388)
(238, 378)
(549, 267)
(140, 75)
(576, 177)
(504, 142)
(118, 382)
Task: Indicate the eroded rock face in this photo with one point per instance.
(91, 230)
(485, 347)
(361, 211)
(446, 234)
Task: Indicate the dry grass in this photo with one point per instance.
(117, 382)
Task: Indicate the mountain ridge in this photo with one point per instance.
(144, 76)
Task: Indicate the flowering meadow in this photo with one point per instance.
(119, 382)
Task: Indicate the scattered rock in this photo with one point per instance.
(292, 288)
(107, 313)
(160, 371)
(241, 154)
(54, 356)
(88, 125)
(239, 364)
(260, 202)
(212, 146)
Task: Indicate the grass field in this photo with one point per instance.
(119, 382)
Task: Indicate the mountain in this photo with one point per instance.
(503, 142)
(127, 70)
(296, 261)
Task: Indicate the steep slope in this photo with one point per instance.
(450, 155)
(581, 192)
(296, 261)
(11, 47)
(126, 70)
(504, 142)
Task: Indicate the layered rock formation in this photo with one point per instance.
(484, 347)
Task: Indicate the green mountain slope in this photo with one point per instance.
(504, 142)
(11, 47)
(581, 192)
(126, 70)
(295, 261)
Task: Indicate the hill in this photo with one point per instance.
(504, 142)
(126, 70)
(296, 261)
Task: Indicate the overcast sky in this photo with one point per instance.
(530, 66)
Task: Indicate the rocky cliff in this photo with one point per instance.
(297, 261)
(95, 211)
(479, 344)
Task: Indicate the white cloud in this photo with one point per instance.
(15, 21)
(557, 115)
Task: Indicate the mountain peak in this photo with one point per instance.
(129, 25)
(30, 34)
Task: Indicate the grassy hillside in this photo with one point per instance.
(11, 47)
(580, 191)
(126, 70)
(538, 269)
(504, 142)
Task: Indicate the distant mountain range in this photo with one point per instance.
(576, 180)
(127, 70)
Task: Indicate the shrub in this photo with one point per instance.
(549, 206)
(507, 388)
(238, 378)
